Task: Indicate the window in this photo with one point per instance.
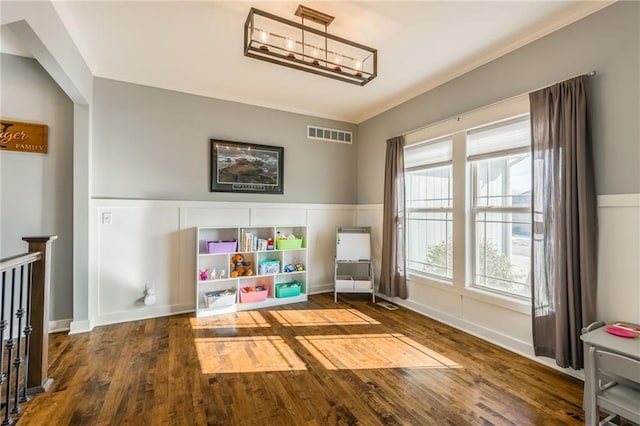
(429, 195)
(500, 159)
(475, 185)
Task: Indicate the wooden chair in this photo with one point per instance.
(617, 381)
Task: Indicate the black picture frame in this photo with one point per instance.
(246, 167)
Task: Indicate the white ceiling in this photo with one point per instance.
(197, 47)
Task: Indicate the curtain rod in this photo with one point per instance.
(589, 74)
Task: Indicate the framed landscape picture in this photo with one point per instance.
(246, 167)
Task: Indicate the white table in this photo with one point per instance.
(599, 338)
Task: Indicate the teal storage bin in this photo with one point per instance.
(290, 289)
(269, 266)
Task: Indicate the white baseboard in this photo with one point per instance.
(83, 326)
(320, 288)
(57, 326)
(143, 313)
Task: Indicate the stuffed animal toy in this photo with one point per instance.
(239, 266)
(203, 274)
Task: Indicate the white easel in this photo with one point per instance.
(353, 264)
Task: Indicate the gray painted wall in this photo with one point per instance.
(607, 41)
(151, 143)
(36, 195)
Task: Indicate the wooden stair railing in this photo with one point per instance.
(24, 325)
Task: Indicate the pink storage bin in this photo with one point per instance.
(253, 296)
(222, 246)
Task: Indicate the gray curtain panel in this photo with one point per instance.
(392, 276)
(564, 248)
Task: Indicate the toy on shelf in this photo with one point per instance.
(240, 267)
(258, 287)
(297, 267)
(270, 244)
(203, 274)
(281, 236)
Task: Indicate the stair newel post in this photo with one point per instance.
(37, 380)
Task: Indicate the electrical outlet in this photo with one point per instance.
(107, 218)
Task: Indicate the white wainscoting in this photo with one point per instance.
(619, 258)
(153, 242)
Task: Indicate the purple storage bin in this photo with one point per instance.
(221, 246)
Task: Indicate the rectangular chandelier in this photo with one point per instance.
(296, 45)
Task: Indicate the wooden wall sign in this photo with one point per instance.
(25, 137)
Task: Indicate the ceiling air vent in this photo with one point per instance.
(329, 135)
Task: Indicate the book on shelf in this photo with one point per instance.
(251, 242)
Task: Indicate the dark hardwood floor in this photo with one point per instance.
(312, 363)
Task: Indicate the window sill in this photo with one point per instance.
(506, 302)
(428, 279)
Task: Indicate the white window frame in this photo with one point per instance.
(445, 210)
(457, 127)
(475, 209)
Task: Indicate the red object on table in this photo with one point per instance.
(620, 332)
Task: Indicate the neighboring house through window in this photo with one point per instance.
(429, 202)
(500, 161)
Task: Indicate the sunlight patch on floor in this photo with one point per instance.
(246, 355)
(244, 319)
(371, 351)
(316, 317)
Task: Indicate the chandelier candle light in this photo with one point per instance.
(296, 45)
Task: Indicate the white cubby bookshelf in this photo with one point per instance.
(251, 243)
